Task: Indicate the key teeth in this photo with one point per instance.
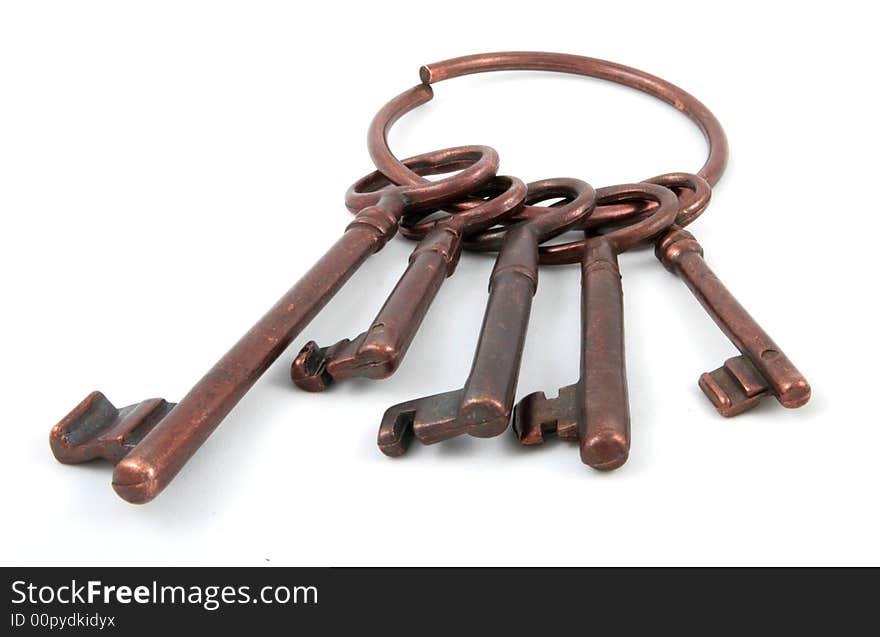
(396, 431)
(94, 415)
(735, 387)
(97, 429)
(309, 369)
(526, 424)
(537, 416)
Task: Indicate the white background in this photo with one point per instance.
(168, 169)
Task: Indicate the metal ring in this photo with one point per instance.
(398, 173)
(576, 65)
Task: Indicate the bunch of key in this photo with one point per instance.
(470, 207)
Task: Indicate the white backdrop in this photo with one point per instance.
(167, 170)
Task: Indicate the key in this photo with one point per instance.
(482, 407)
(151, 441)
(377, 353)
(761, 369)
(595, 410)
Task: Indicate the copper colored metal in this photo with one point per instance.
(377, 353)
(732, 388)
(595, 410)
(591, 67)
(482, 407)
(762, 369)
(151, 441)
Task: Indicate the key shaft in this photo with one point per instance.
(97, 429)
(377, 352)
(604, 424)
(489, 392)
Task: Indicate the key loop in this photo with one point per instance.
(622, 239)
(579, 200)
(693, 206)
(500, 197)
(644, 224)
(478, 165)
(627, 236)
(694, 194)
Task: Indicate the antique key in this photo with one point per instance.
(151, 441)
(595, 410)
(377, 353)
(482, 407)
(762, 369)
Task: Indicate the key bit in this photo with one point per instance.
(762, 369)
(97, 429)
(427, 418)
(536, 416)
(734, 387)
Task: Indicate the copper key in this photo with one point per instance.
(762, 369)
(595, 410)
(151, 442)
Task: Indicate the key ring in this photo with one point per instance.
(683, 101)
(397, 172)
